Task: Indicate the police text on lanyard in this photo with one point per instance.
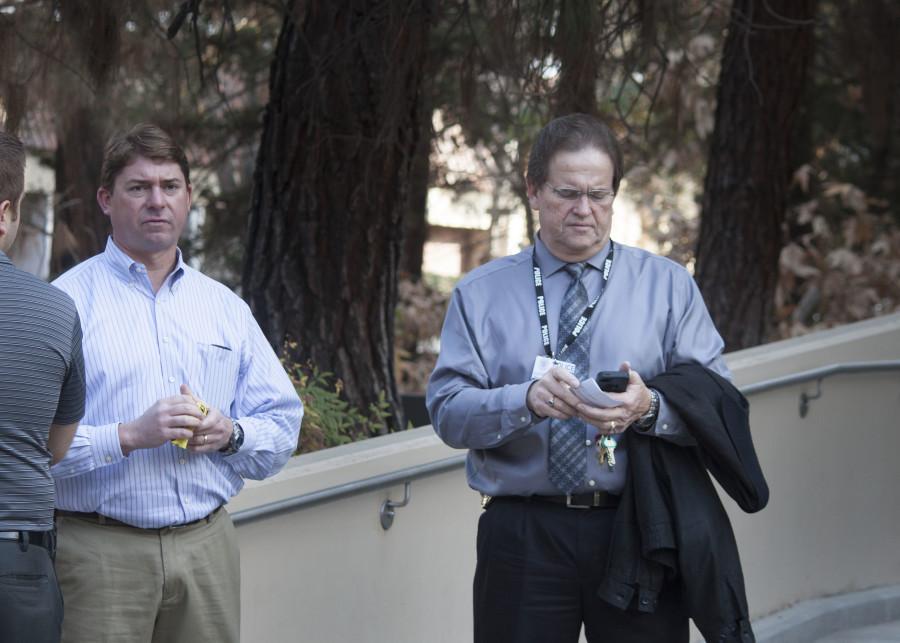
(585, 316)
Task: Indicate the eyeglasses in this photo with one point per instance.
(603, 197)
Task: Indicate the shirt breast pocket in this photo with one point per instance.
(216, 381)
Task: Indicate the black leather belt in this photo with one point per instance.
(592, 500)
(43, 539)
(100, 519)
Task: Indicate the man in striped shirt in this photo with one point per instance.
(146, 552)
(41, 401)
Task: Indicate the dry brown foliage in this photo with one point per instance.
(843, 265)
(419, 317)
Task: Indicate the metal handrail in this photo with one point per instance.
(351, 488)
(821, 373)
(817, 375)
(447, 464)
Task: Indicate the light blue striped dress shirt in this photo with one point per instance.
(140, 347)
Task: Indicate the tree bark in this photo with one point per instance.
(871, 48)
(578, 61)
(339, 134)
(80, 227)
(415, 224)
(764, 67)
(94, 40)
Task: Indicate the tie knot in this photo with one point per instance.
(575, 269)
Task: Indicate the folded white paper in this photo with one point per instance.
(590, 393)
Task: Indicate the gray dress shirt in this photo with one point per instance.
(41, 384)
(651, 315)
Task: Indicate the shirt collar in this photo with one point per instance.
(550, 263)
(4, 259)
(125, 267)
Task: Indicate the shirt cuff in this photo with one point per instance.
(669, 425)
(667, 420)
(105, 445)
(251, 437)
(516, 415)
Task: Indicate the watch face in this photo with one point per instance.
(237, 437)
(235, 441)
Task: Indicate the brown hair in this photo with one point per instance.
(12, 170)
(146, 140)
(572, 133)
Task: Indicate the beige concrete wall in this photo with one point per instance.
(832, 523)
(329, 572)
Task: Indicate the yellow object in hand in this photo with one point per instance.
(182, 443)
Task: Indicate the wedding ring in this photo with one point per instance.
(612, 425)
(205, 437)
(550, 401)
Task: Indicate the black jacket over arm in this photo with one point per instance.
(671, 525)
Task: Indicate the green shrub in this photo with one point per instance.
(328, 419)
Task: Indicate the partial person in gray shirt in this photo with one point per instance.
(521, 335)
(41, 402)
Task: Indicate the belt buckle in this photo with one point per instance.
(570, 505)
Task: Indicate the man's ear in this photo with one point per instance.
(103, 197)
(531, 191)
(6, 210)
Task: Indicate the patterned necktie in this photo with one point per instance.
(568, 454)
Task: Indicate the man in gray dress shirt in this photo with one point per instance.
(516, 344)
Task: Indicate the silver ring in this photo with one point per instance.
(550, 401)
(205, 438)
(612, 425)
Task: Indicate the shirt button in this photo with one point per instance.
(180, 460)
(665, 427)
(588, 443)
(108, 458)
(171, 379)
(523, 419)
(591, 483)
(499, 436)
(165, 340)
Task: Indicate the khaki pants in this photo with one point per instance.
(121, 584)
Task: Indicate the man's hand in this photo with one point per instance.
(213, 432)
(169, 419)
(636, 402)
(552, 396)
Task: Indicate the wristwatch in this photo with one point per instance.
(648, 419)
(236, 440)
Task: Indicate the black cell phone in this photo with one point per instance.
(612, 381)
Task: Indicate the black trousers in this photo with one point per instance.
(31, 607)
(539, 566)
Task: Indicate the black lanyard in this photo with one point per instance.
(585, 316)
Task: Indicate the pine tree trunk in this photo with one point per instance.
(94, 36)
(578, 61)
(764, 66)
(339, 135)
(81, 228)
(415, 223)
